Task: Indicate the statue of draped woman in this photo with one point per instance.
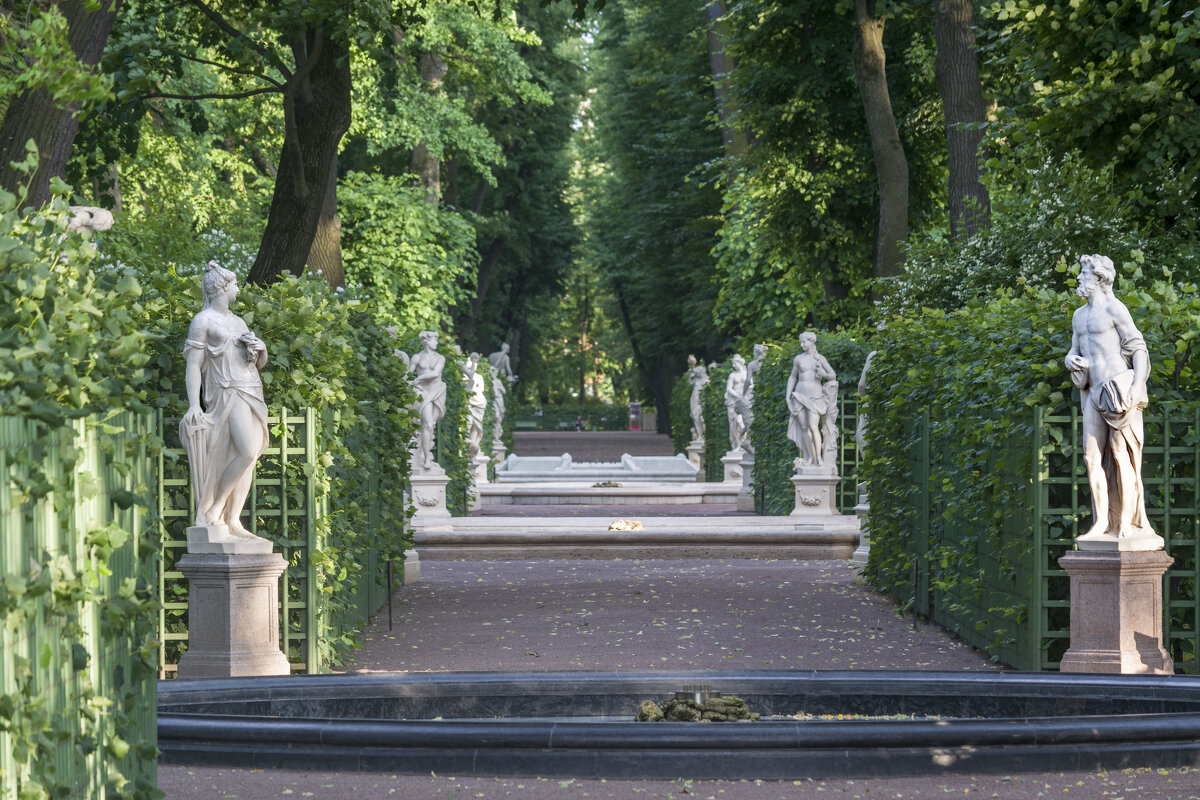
(427, 367)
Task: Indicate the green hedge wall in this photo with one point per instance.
(716, 421)
(681, 414)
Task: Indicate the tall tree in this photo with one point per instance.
(56, 49)
(722, 66)
(957, 66)
(891, 164)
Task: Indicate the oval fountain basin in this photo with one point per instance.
(567, 724)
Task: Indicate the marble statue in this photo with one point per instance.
(812, 400)
(500, 362)
(90, 218)
(498, 392)
(224, 437)
(697, 377)
(735, 388)
(476, 405)
(860, 430)
(427, 367)
(1109, 363)
(746, 403)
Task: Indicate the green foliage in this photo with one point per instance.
(978, 373)
(1119, 82)
(774, 453)
(596, 416)
(1049, 211)
(35, 54)
(800, 210)
(451, 445)
(716, 420)
(415, 258)
(681, 414)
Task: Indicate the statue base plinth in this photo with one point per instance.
(1116, 612)
(695, 453)
(732, 462)
(862, 511)
(745, 497)
(429, 494)
(1135, 541)
(815, 492)
(499, 452)
(479, 477)
(217, 540)
(412, 567)
(233, 615)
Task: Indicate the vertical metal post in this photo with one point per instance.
(311, 612)
(389, 592)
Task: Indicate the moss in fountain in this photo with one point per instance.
(714, 709)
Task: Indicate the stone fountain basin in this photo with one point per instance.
(561, 724)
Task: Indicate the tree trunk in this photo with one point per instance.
(424, 164)
(487, 265)
(721, 65)
(648, 377)
(34, 115)
(325, 256)
(320, 117)
(957, 70)
(891, 166)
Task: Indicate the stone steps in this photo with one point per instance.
(566, 493)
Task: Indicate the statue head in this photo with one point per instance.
(473, 361)
(739, 363)
(691, 360)
(808, 340)
(504, 348)
(1095, 270)
(216, 281)
(429, 339)
(760, 350)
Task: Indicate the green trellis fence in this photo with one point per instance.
(1019, 566)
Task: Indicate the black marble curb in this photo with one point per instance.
(325, 722)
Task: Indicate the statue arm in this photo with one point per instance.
(194, 353)
(824, 370)
(791, 386)
(1134, 347)
(1075, 360)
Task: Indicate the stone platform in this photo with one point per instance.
(584, 493)
(470, 538)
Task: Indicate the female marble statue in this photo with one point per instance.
(735, 388)
(223, 439)
(476, 405)
(697, 376)
(809, 400)
(745, 406)
(428, 364)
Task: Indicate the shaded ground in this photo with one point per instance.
(657, 615)
(591, 445)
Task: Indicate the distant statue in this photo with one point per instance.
(1110, 365)
(499, 390)
(746, 403)
(500, 362)
(860, 430)
(697, 377)
(427, 367)
(813, 406)
(224, 438)
(735, 387)
(476, 405)
(90, 218)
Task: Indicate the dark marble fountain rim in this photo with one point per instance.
(771, 749)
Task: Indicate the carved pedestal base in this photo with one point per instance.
(695, 453)
(412, 567)
(217, 539)
(1116, 612)
(862, 510)
(499, 452)
(732, 462)
(745, 498)
(233, 615)
(815, 488)
(429, 495)
(479, 477)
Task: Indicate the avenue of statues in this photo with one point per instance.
(224, 436)
(1110, 364)
(812, 400)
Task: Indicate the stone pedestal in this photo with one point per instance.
(862, 510)
(815, 488)
(429, 495)
(499, 452)
(233, 615)
(695, 453)
(216, 539)
(1116, 612)
(745, 498)
(412, 567)
(479, 477)
(732, 462)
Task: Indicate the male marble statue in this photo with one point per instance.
(735, 386)
(500, 362)
(476, 405)
(812, 402)
(697, 376)
(746, 403)
(1110, 364)
(224, 438)
(427, 380)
